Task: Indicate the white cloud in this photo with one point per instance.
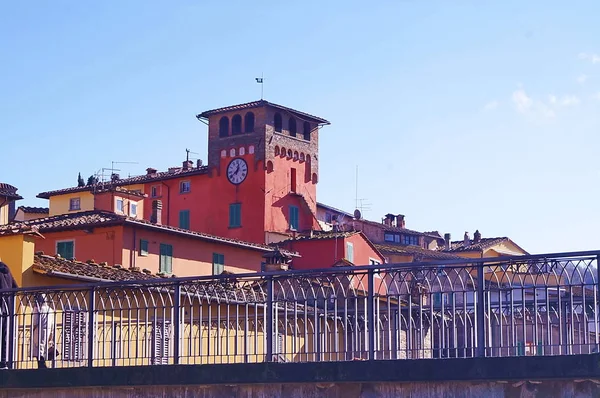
(522, 101)
(525, 105)
(552, 99)
(582, 78)
(490, 106)
(594, 58)
(570, 100)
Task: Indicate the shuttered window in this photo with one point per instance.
(74, 333)
(184, 219)
(166, 258)
(235, 215)
(65, 249)
(294, 218)
(218, 263)
(161, 342)
(143, 247)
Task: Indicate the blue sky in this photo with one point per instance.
(460, 115)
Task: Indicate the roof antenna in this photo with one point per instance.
(187, 154)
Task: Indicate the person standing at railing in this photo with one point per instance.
(43, 328)
(6, 282)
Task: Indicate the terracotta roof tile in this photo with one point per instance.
(34, 210)
(144, 178)
(389, 228)
(9, 191)
(415, 251)
(55, 266)
(98, 218)
(484, 243)
(257, 104)
(320, 235)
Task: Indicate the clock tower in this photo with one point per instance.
(263, 168)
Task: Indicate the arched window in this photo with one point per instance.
(269, 166)
(282, 152)
(224, 126)
(276, 151)
(315, 179)
(307, 131)
(292, 126)
(277, 122)
(236, 125)
(302, 157)
(295, 155)
(289, 153)
(249, 122)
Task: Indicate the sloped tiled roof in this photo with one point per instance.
(55, 266)
(144, 178)
(334, 209)
(97, 218)
(257, 104)
(320, 235)
(415, 251)
(389, 228)
(34, 210)
(9, 191)
(483, 244)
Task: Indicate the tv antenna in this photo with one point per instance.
(361, 205)
(187, 154)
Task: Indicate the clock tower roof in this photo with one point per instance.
(262, 103)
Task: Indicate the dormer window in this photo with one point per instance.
(391, 237)
(75, 204)
(410, 240)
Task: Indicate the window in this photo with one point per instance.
(166, 258)
(133, 209)
(143, 247)
(184, 219)
(75, 204)
(350, 252)
(292, 126)
(307, 131)
(410, 240)
(120, 205)
(155, 191)
(236, 125)
(161, 337)
(293, 180)
(277, 122)
(388, 237)
(249, 122)
(74, 333)
(184, 187)
(66, 249)
(328, 218)
(224, 127)
(218, 263)
(294, 218)
(235, 215)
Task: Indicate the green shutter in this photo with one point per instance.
(520, 348)
(294, 217)
(166, 258)
(143, 247)
(184, 219)
(65, 249)
(235, 215)
(218, 263)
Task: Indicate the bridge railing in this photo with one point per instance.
(512, 306)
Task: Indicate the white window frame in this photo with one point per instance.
(71, 208)
(348, 245)
(133, 205)
(64, 241)
(182, 184)
(117, 200)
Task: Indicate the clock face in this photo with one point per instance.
(237, 171)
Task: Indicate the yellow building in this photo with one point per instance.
(27, 213)
(480, 247)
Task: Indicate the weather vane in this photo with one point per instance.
(260, 80)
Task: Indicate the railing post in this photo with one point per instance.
(11, 331)
(597, 303)
(480, 311)
(177, 323)
(371, 313)
(269, 319)
(91, 326)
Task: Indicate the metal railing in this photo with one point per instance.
(530, 305)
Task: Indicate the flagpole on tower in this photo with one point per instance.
(260, 80)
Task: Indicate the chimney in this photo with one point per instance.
(400, 221)
(156, 212)
(188, 164)
(199, 163)
(114, 177)
(477, 236)
(467, 240)
(388, 219)
(447, 240)
(151, 171)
